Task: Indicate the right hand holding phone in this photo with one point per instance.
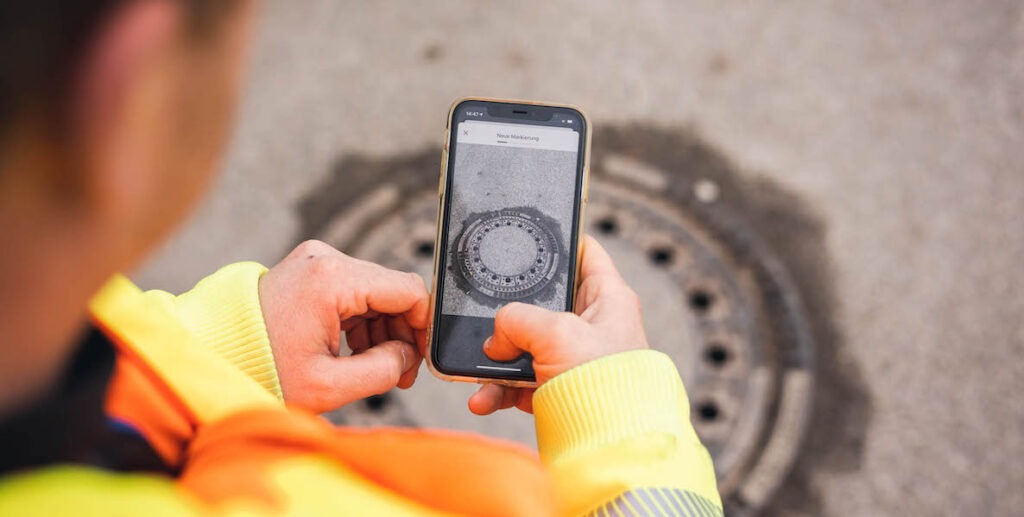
(606, 321)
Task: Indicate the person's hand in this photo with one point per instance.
(606, 321)
(314, 295)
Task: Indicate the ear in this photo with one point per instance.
(119, 84)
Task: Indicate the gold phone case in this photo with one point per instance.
(440, 213)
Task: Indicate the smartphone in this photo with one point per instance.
(512, 196)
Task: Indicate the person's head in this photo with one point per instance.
(115, 112)
(114, 115)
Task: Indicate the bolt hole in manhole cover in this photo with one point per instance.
(670, 211)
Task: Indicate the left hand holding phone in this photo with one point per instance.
(317, 293)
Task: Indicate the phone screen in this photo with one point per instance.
(509, 228)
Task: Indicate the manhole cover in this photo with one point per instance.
(488, 262)
(716, 298)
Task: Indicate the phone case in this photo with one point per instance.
(437, 238)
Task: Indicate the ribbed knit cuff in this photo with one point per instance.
(223, 311)
(608, 400)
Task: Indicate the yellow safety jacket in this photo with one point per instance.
(195, 378)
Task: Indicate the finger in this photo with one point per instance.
(378, 330)
(399, 329)
(519, 328)
(409, 376)
(369, 287)
(372, 372)
(358, 338)
(599, 279)
(342, 274)
(421, 341)
(355, 320)
(492, 397)
(595, 260)
(408, 379)
(525, 402)
(419, 319)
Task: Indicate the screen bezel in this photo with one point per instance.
(511, 113)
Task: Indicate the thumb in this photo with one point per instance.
(595, 260)
(371, 372)
(519, 328)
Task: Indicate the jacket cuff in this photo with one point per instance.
(223, 312)
(608, 400)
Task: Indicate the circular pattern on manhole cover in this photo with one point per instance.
(716, 299)
(506, 254)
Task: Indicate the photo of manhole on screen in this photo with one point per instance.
(506, 255)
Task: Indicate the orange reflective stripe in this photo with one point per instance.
(140, 398)
(449, 472)
(455, 472)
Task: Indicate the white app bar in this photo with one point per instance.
(518, 135)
